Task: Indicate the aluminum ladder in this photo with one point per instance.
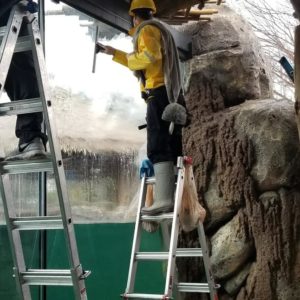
(173, 252)
(74, 276)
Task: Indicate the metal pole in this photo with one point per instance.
(297, 76)
(95, 54)
(42, 21)
(42, 233)
(42, 177)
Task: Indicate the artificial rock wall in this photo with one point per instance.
(245, 149)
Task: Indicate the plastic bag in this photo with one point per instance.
(191, 211)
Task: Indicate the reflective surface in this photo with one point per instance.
(96, 114)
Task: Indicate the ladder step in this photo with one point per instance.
(21, 107)
(26, 166)
(47, 277)
(158, 218)
(23, 42)
(145, 296)
(188, 287)
(151, 255)
(181, 252)
(37, 223)
(189, 252)
(150, 180)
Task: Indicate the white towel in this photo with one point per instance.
(171, 67)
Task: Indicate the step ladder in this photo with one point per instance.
(73, 276)
(173, 252)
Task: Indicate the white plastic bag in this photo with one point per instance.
(191, 211)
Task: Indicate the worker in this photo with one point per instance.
(155, 62)
(21, 83)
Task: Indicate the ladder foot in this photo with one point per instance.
(85, 275)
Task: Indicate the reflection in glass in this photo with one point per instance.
(97, 115)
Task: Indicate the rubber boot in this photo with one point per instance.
(164, 189)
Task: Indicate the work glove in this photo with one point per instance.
(30, 6)
(146, 169)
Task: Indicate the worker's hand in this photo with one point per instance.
(105, 49)
(109, 50)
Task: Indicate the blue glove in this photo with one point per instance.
(146, 168)
(32, 7)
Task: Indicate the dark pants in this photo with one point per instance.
(21, 83)
(161, 146)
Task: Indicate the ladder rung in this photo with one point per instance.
(187, 287)
(21, 107)
(47, 277)
(151, 255)
(23, 44)
(158, 218)
(189, 252)
(26, 166)
(37, 223)
(181, 252)
(145, 296)
(150, 180)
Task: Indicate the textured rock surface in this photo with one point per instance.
(233, 285)
(231, 247)
(246, 168)
(270, 126)
(219, 210)
(225, 50)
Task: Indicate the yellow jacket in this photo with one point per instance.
(147, 58)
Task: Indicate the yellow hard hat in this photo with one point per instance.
(136, 4)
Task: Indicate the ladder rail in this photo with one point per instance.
(7, 48)
(207, 265)
(45, 96)
(13, 235)
(136, 239)
(10, 37)
(165, 229)
(174, 233)
(44, 89)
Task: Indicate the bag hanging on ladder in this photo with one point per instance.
(191, 212)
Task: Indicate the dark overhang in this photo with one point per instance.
(115, 14)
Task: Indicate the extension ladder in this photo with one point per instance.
(74, 275)
(173, 252)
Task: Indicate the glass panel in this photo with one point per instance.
(97, 115)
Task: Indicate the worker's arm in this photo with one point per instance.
(120, 57)
(149, 49)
